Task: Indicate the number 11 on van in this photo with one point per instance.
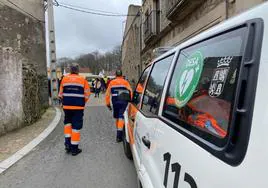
(176, 168)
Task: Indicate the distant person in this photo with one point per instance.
(103, 85)
(97, 87)
(74, 93)
(105, 79)
(49, 87)
(119, 84)
(59, 82)
(93, 85)
(108, 82)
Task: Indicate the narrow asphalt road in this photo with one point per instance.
(102, 163)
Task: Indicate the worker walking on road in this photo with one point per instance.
(74, 93)
(117, 86)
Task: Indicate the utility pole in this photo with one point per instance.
(52, 54)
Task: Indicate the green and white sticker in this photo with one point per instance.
(188, 78)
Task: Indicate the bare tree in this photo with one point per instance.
(96, 61)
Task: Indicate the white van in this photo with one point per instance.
(199, 116)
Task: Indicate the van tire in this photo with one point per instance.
(126, 146)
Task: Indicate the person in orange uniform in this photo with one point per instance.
(116, 86)
(74, 93)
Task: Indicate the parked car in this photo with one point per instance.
(198, 117)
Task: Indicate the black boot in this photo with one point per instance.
(118, 139)
(67, 148)
(119, 136)
(75, 150)
(67, 145)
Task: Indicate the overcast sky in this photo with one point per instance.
(78, 33)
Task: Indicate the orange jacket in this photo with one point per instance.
(74, 92)
(207, 121)
(116, 84)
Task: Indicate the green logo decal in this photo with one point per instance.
(188, 78)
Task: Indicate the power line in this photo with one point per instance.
(93, 12)
(29, 14)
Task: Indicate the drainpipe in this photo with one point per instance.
(140, 67)
(226, 9)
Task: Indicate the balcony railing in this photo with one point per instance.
(149, 26)
(177, 10)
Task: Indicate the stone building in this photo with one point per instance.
(23, 75)
(168, 23)
(131, 48)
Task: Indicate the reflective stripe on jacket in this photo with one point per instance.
(116, 85)
(74, 91)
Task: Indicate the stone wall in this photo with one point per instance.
(23, 75)
(209, 14)
(147, 7)
(238, 6)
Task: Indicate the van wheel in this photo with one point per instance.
(126, 146)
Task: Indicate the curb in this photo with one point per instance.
(7, 163)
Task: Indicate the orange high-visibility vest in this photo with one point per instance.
(74, 91)
(116, 84)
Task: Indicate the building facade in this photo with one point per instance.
(167, 23)
(23, 75)
(131, 46)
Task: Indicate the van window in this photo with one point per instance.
(140, 87)
(155, 86)
(203, 86)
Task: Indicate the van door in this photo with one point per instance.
(147, 117)
(204, 133)
(133, 108)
